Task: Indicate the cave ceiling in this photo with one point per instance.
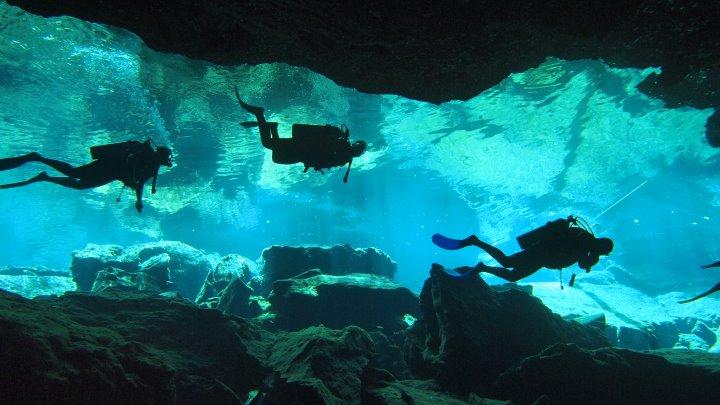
(433, 51)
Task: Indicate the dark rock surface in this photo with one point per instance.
(469, 333)
(138, 347)
(318, 365)
(434, 51)
(235, 300)
(364, 300)
(567, 374)
(284, 262)
(126, 347)
(186, 266)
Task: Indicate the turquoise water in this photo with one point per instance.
(566, 137)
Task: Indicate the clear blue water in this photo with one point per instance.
(565, 137)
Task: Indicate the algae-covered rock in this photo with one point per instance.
(284, 262)
(187, 267)
(364, 300)
(568, 374)
(318, 365)
(235, 300)
(468, 333)
(125, 347)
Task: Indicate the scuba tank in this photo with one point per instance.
(307, 131)
(114, 150)
(551, 230)
(544, 233)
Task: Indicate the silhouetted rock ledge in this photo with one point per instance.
(125, 347)
(432, 51)
(138, 347)
(567, 374)
(469, 333)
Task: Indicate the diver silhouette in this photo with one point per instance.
(714, 289)
(131, 162)
(316, 146)
(555, 245)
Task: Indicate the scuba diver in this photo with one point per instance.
(131, 162)
(555, 245)
(714, 289)
(318, 146)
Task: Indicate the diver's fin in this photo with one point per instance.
(716, 288)
(40, 177)
(451, 244)
(707, 266)
(250, 124)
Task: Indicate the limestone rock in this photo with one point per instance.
(235, 300)
(229, 268)
(567, 374)
(428, 50)
(469, 333)
(125, 347)
(187, 267)
(284, 262)
(318, 365)
(364, 300)
(31, 282)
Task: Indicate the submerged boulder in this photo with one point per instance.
(469, 333)
(152, 275)
(319, 366)
(364, 300)
(229, 268)
(568, 374)
(187, 267)
(284, 262)
(125, 347)
(31, 281)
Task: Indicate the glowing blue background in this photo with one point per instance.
(566, 137)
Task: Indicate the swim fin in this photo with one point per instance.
(716, 288)
(450, 244)
(40, 177)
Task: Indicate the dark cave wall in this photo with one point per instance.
(431, 50)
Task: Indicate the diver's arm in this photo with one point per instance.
(153, 190)
(588, 261)
(138, 197)
(347, 173)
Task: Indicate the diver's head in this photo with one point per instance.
(358, 148)
(603, 246)
(164, 156)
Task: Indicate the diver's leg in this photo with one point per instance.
(40, 177)
(70, 182)
(268, 134)
(495, 253)
(13, 162)
(63, 167)
(511, 275)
